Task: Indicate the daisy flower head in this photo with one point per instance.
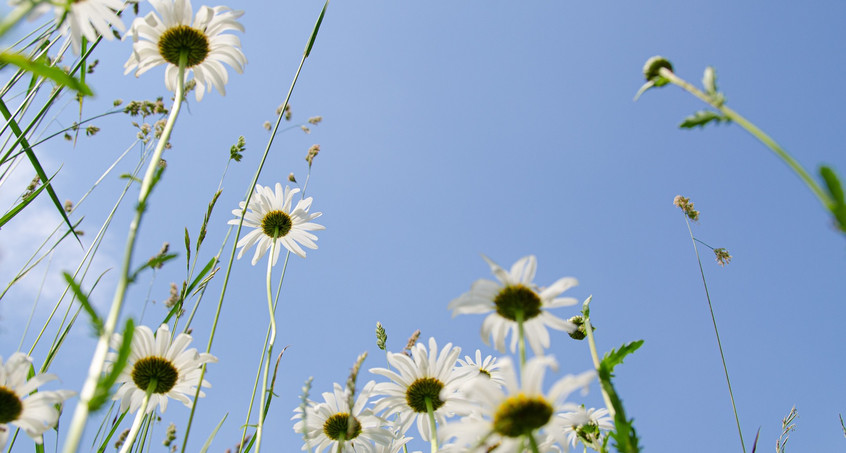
(274, 217)
(34, 413)
(325, 423)
(78, 18)
(514, 298)
(168, 367)
(173, 35)
(518, 413)
(489, 367)
(429, 378)
(587, 426)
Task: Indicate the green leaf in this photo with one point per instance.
(187, 251)
(108, 438)
(835, 191)
(832, 182)
(615, 357)
(315, 30)
(96, 322)
(213, 433)
(21, 138)
(104, 385)
(27, 200)
(201, 275)
(48, 72)
(703, 117)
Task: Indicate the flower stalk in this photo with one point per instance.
(139, 417)
(97, 361)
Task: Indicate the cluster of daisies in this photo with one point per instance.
(470, 404)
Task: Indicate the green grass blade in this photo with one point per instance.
(213, 434)
(36, 165)
(27, 200)
(316, 29)
(40, 69)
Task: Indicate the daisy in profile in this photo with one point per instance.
(88, 18)
(587, 426)
(274, 217)
(428, 381)
(34, 413)
(489, 367)
(326, 424)
(173, 35)
(514, 302)
(520, 416)
(164, 368)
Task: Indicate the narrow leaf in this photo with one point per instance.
(316, 28)
(615, 357)
(104, 385)
(48, 72)
(96, 322)
(701, 118)
(213, 433)
(832, 182)
(201, 275)
(27, 200)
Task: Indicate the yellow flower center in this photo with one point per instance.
(340, 424)
(520, 415)
(276, 224)
(11, 406)
(515, 301)
(158, 368)
(184, 39)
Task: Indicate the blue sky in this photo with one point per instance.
(454, 129)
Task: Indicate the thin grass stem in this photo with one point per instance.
(717, 333)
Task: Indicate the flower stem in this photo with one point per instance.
(431, 411)
(797, 168)
(340, 442)
(80, 415)
(594, 355)
(717, 333)
(533, 443)
(521, 334)
(270, 308)
(139, 417)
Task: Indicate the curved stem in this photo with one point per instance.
(756, 132)
(80, 415)
(139, 417)
(431, 411)
(270, 308)
(595, 356)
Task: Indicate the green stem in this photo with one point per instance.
(247, 199)
(340, 442)
(139, 416)
(717, 333)
(80, 415)
(797, 168)
(594, 355)
(270, 308)
(533, 443)
(521, 339)
(431, 411)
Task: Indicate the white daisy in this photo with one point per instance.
(88, 18)
(34, 413)
(325, 422)
(174, 368)
(161, 40)
(272, 216)
(518, 414)
(489, 367)
(515, 297)
(586, 425)
(426, 378)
